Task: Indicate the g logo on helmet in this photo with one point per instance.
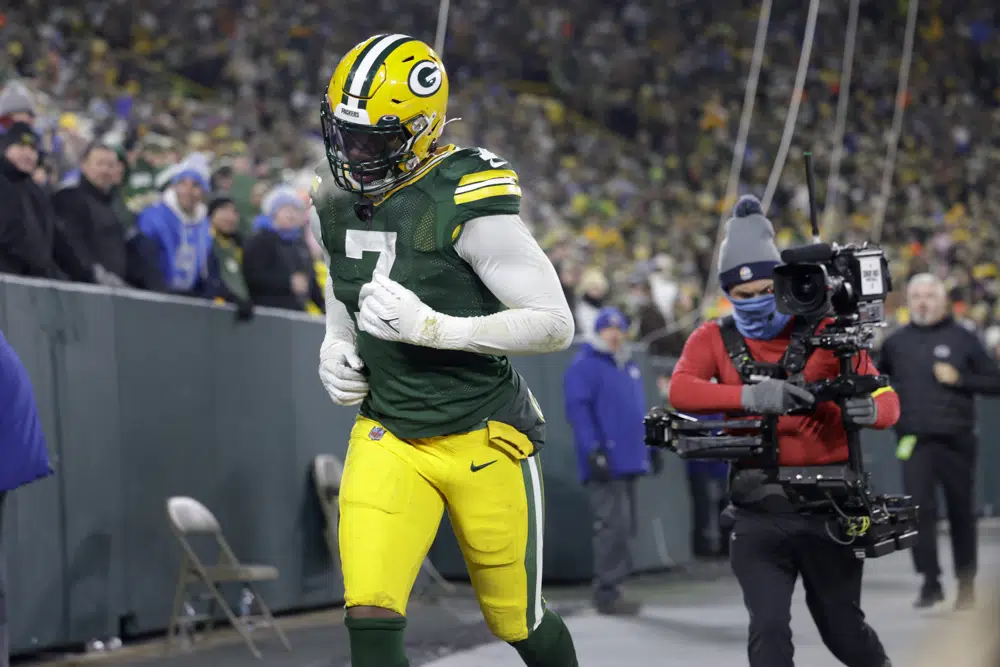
(425, 78)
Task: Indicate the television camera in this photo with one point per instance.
(823, 278)
(818, 281)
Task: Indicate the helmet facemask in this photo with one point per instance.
(369, 159)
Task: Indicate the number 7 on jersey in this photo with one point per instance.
(359, 241)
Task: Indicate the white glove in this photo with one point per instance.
(391, 312)
(104, 277)
(340, 371)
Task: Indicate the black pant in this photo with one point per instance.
(613, 505)
(768, 552)
(951, 463)
(704, 506)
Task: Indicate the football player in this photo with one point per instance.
(434, 279)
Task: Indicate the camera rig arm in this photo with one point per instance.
(873, 525)
(691, 438)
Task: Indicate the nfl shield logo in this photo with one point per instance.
(376, 433)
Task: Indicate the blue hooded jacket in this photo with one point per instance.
(605, 404)
(184, 243)
(23, 454)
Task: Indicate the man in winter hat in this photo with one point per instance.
(605, 403)
(747, 258)
(179, 227)
(772, 542)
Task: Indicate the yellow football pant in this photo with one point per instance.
(393, 496)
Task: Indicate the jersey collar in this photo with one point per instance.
(419, 172)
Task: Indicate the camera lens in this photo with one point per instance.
(801, 289)
(806, 292)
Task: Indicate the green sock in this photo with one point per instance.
(377, 642)
(550, 645)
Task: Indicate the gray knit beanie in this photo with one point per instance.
(16, 98)
(748, 252)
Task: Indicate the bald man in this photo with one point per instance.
(938, 367)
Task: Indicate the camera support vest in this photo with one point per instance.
(792, 363)
(753, 486)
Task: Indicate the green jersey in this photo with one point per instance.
(419, 392)
(229, 256)
(140, 189)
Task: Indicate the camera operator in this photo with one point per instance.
(938, 367)
(772, 542)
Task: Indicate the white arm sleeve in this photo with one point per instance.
(505, 256)
(339, 323)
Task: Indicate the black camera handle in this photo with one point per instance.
(855, 454)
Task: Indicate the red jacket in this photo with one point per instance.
(814, 439)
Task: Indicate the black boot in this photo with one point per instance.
(930, 594)
(619, 606)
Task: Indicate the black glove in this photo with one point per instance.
(656, 458)
(860, 412)
(244, 310)
(600, 469)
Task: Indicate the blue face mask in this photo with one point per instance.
(758, 318)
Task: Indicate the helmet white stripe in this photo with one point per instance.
(364, 68)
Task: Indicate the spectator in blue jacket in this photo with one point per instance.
(178, 226)
(605, 406)
(23, 456)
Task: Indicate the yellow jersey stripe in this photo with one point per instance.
(462, 189)
(881, 390)
(481, 176)
(487, 192)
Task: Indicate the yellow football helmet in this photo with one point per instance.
(383, 113)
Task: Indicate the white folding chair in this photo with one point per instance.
(189, 518)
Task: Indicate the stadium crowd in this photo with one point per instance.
(620, 118)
